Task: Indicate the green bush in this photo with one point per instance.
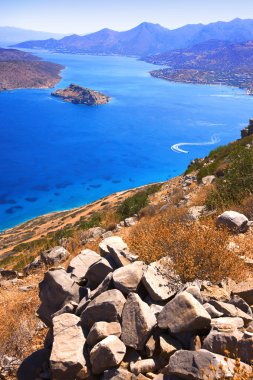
(94, 221)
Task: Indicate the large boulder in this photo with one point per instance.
(106, 354)
(112, 242)
(80, 264)
(191, 365)
(56, 290)
(128, 278)
(54, 256)
(115, 249)
(222, 340)
(244, 290)
(159, 284)
(34, 365)
(233, 220)
(97, 272)
(137, 322)
(106, 307)
(100, 330)
(184, 314)
(230, 310)
(67, 358)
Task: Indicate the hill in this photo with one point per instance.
(211, 62)
(24, 70)
(11, 35)
(146, 39)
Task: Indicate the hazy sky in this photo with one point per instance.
(84, 16)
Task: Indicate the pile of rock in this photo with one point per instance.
(110, 316)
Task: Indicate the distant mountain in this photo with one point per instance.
(147, 39)
(209, 55)
(11, 35)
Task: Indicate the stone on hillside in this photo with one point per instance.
(244, 290)
(160, 285)
(116, 249)
(208, 180)
(137, 322)
(195, 212)
(194, 290)
(67, 358)
(117, 374)
(56, 290)
(214, 292)
(233, 220)
(113, 242)
(68, 308)
(184, 314)
(143, 366)
(103, 287)
(128, 222)
(8, 274)
(80, 264)
(212, 311)
(192, 364)
(231, 322)
(100, 330)
(54, 256)
(34, 365)
(97, 272)
(128, 278)
(230, 310)
(168, 346)
(222, 341)
(106, 307)
(106, 354)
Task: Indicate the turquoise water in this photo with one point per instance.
(57, 155)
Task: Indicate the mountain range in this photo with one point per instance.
(146, 39)
(12, 35)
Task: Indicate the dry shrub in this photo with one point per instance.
(109, 218)
(199, 197)
(18, 321)
(198, 250)
(246, 207)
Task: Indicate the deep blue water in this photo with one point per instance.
(56, 155)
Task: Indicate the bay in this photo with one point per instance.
(56, 155)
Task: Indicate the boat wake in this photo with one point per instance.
(177, 147)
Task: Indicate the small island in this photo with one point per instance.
(80, 95)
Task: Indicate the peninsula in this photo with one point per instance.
(80, 95)
(19, 69)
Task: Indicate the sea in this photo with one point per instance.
(56, 155)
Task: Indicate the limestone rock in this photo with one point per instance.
(212, 311)
(113, 242)
(34, 365)
(101, 330)
(244, 290)
(233, 220)
(168, 346)
(143, 366)
(128, 278)
(54, 256)
(219, 342)
(116, 249)
(97, 272)
(230, 310)
(214, 292)
(208, 180)
(106, 354)
(80, 264)
(159, 285)
(233, 322)
(241, 304)
(67, 357)
(56, 290)
(106, 307)
(195, 291)
(117, 374)
(184, 313)
(137, 322)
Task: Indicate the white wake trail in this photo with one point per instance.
(176, 147)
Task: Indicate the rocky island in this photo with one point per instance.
(19, 69)
(80, 95)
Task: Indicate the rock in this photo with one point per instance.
(97, 272)
(67, 358)
(194, 290)
(80, 264)
(230, 310)
(244, 290)
(195, 212)
(103, 287)
(227, 323)
(114, 242)
(35, 264)
(208, 180)
(56, 290)
(151, 346)
(195, 344)
(34, 365)
(159, 285)
(137, 322)
(106, 354)
(117, 374)
(143, 366)
(214, 292)
(54, 256)
(212, 311)
(115, 248)
(8, 366)
(221, 342)
(156, 309)
(101, 330)
(106, 307)
(128, 278)
(8, 274)
(168, 346)
(233, 220)
(129, 222)
(184, 314)
(192, 364)
(68, 308)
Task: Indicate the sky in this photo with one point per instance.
(85, 16)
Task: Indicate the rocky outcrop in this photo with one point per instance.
(80, 95)
(233, 220)
(135, 329)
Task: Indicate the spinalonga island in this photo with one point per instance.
(80, 95)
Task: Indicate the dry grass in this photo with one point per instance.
(198, 250)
